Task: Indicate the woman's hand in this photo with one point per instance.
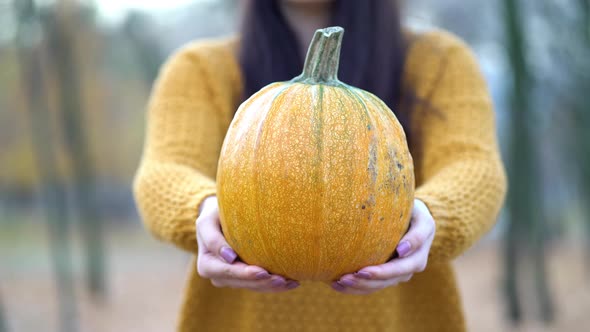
(412, 257)
(218, 262)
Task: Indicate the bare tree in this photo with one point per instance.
(582, 119)
(147, 51)
(52, 193)
(527, 221)
(60, 24)
(570, 49)
(3, 323)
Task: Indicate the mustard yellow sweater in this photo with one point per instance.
(459, 176)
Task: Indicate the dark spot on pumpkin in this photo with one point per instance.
(363, 207)
(369, 127)
(400, 166)
(372, 167)
(381, 218)
(392, 171)
(371, 200)
(385, 187)
(236, 244)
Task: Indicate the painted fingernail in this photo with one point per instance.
(279, 282)
(228, 254)
(292, 284)
(262, 275)
(403, 248)
(346, 282)
(363, 275)
(338, 286)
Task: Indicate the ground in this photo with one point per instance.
(146, 280)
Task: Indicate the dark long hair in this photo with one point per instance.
(373, 49)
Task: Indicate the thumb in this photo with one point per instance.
(212, 239)
(421, 229)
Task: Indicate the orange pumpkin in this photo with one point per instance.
(315, 179)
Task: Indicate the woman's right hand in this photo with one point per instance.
(217, 261)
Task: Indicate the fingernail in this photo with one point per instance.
(292, 284)
(228, 254)
(363, 275)
(279, 282)
(346, 282)
(403, 248)
(263, 275)
(338, 286)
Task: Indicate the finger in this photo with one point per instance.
(210, 267)
(400, 266)
(349, 290)
(211, 238)
(352, 281)
(272, 285)
(421, 229)
(209, 206)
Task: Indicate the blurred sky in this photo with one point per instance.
(111, 12)
(114, 10)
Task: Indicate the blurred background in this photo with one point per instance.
(74, 80)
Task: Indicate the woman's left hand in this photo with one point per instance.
(412, 257)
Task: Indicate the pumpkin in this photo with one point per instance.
(315, 179)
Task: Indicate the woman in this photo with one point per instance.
(434, 84)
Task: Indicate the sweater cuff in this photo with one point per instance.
(183, 235)
(436, 208)
(207, 189)
(444, 246)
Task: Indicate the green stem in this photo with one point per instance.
(323, 57)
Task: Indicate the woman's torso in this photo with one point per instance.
(429, 302)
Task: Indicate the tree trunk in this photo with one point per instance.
(538, 238)
(524, 198)
(52, 193)
(144, 45)
(65, 65)
(582, 135)
(3, 323)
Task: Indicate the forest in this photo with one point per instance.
(74, 83)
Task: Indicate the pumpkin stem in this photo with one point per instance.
(323, 57)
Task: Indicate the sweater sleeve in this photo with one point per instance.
(463, 182)
(181, 149)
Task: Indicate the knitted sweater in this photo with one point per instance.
(459, 176)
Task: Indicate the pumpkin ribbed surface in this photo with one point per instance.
(315, 179)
